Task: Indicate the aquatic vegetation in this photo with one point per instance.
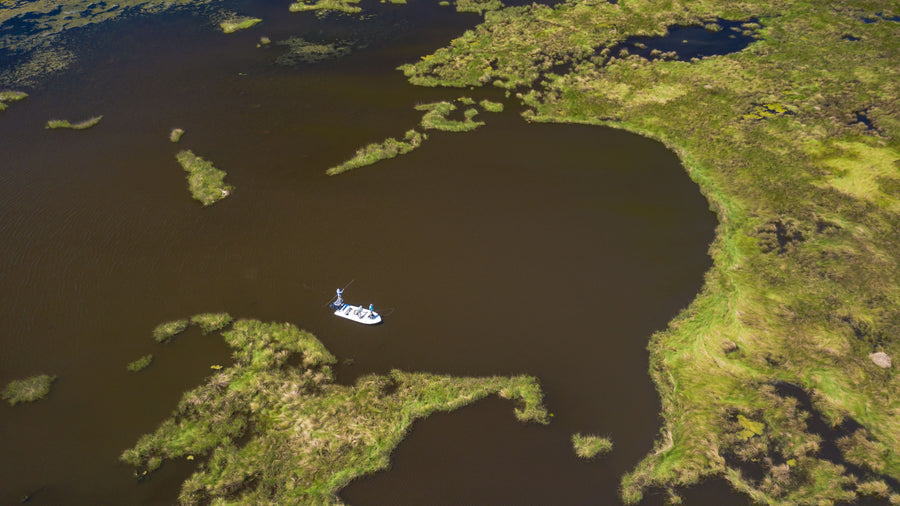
(437, 114)
(806, 257)
(302, 437)
(478, 6)
(207, 183)
(234, 23)
(10, 96)
(28, 389)
(588, 447)
(175, 134)
(84, 125)
(345, 6)
(165, 331)
(140, 364)
(490, 106)
(376, 152)
(301, 50)
(211, 322)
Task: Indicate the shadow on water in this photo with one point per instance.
(716, 39)
(543, 249)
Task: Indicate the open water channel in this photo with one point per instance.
(551, 250)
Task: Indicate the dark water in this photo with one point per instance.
(543, 249)
(691, 41)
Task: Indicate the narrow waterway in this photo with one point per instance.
(550, 250)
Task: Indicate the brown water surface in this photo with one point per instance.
(550, 250)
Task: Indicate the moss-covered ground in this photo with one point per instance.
(207, 183)
(795, 141)
(268, 432)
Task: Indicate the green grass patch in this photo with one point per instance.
(437, 114)
(207, 183)
(165, 331)
(175, 134)
(64, 123)
(304, 437)
(376, 152)
(141, 363)
(589, 447)
(211, 322)
(28, 389)
(345, 6)
(10, 96)
(233, 24)
(490, 106)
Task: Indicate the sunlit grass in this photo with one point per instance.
(305, 436)
(63, 123)
(211, 322)
(165, 331)
(28, 389)
(175, 134)
(234, 24)
(589, 447)
(207, 183)
(10, 96)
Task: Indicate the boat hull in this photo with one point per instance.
(358, 314)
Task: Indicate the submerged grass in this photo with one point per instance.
(28, 389)
(140, 364)
(64, 123)
(207, 183)
(588, 447)
(376, 152)
(806, 277)
(305, 436)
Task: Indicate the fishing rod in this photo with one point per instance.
(333, 297)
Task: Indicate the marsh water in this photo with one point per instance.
(551, 250)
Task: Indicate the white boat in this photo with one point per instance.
(358, 314)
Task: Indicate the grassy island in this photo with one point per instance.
(235, 23)
(376, 152)
(10, 96)
(64, 123)
(589, 447)
(207, 183)
(28, 389)
(795, 142)
(267, 431)
(140, 364)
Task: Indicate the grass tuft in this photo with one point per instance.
(141, 363)
(28, 389)
(165, 331)
(211, 322)
(490, 106)
(207, 183)
(588, 447)
(63, 123)
(175, 134)
(10, 96)
(235, 23)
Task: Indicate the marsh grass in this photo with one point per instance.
(206, 183)
(10, 96)
(28, 389)
(140, 364)
(345, 6)
(490, 106)
(301, 50)
(165, 331)
(806, 255)
(436, 117)
(303, 436)
(375, 152)
(233, 24)
(63, 123)
(175, 134)
(589, 447)
(211, 322)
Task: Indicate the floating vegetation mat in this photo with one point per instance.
(207, 183)
(28, 389)
(375, 152)
(269, 433)
(64, 123)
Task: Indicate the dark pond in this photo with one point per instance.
(543, 249)
(691, 41)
